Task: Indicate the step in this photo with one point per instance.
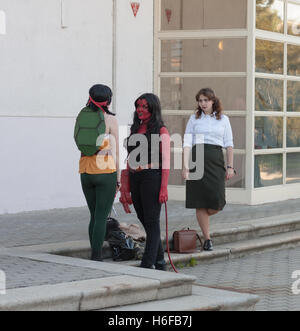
(232, 250)
(244, 230)
(82, 295)
(202, 299)
(261, 227)
(221, 234)
(274, 242)
(122, 285)
(237, 239)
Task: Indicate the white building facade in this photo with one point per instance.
(53, 51)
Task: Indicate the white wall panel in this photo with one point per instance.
(48, 61)
(39, 164)
(134, 56)
(46, 70)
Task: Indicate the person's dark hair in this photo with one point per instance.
(210, 94)
(155, 123)
(100, 93)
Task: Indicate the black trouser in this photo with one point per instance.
(145, 188)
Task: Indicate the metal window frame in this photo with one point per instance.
(286, 40)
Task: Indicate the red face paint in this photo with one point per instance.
(143, 110)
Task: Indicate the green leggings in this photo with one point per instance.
(99, 191)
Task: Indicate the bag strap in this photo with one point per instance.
(201, 245)
(185, 229)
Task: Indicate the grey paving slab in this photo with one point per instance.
(268, 275)
(24, 272)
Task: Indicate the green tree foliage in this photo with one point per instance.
(268, 17)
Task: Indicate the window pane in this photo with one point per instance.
(269, 57)
(268, 95)
(293, 60)
(203, 14)
(239, 179)
(293, 96)
(175, 174)
(179, 93)
(268, 170)
(293, 18)
(293, 168)
(293, 132)
(268, 132)
(238, 125)
(209, 55)
(269, 15)
(176, 124)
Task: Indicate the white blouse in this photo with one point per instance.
(208, 130)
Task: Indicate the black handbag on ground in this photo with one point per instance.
(123, 248)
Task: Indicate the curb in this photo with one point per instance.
(81, 295)
(202, 299)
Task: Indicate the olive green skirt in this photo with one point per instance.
(209, 191)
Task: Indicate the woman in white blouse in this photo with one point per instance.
(210, 129)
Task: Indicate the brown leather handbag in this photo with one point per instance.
(185, 241)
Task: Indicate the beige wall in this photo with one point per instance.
(204, 14)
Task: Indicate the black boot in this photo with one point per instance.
(161, 265)
(208, 245)
(147, 266)
(97, 256)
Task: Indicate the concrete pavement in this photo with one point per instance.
(268, 274)
(28, 239)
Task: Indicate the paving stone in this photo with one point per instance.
(267, 275)
(22, 272)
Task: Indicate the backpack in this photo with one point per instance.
(89, 131)
(123, 247)
(111, 225)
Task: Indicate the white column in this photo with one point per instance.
(250, 119)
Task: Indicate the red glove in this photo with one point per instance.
(125, 197)
(163, 194)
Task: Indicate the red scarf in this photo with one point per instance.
(98, 104)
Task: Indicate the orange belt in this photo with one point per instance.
(145, 167)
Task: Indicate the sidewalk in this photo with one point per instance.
(71, 224)
(36, 279)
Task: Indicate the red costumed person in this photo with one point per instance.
(145, 181)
